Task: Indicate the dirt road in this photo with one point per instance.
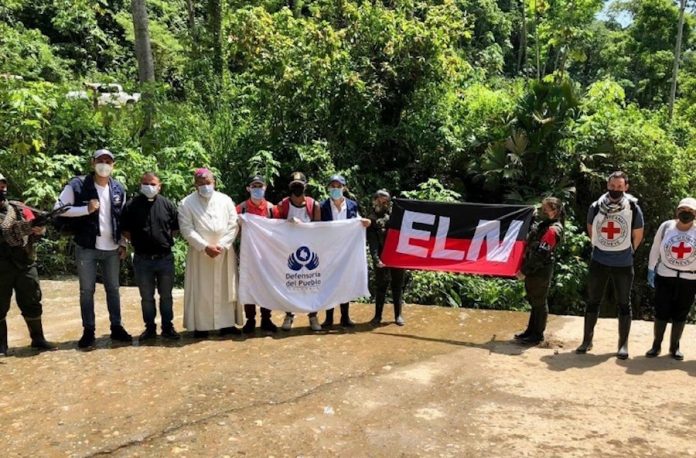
(449, 383)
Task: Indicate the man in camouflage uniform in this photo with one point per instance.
(18, 268)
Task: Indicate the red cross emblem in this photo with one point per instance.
(611, 230)
(681, 250)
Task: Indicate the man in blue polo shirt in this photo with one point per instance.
(615, 225)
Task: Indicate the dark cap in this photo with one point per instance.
(298, 177)
(338, 179)
(256, 179)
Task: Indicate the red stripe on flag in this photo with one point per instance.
(391, 258)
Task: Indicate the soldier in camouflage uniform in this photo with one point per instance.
(376, 233)
(18, 269)
(537, 268)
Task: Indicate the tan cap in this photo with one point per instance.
(688, 202)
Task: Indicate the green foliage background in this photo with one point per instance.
(431, 99)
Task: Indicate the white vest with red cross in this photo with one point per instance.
(612, 231)
(677, 250)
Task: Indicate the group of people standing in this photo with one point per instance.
(615, 225)
(103, 223)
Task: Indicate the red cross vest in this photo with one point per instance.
(677, 249)
(612, 231)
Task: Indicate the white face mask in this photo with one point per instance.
(103, 170)
(148, 190)
(206, 190)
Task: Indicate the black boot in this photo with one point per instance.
(377, 319)
(346, 322)
(675, 337)
(328, 321)
(87, 340)
(150, 333)
(119, 334)
(530, 326)
(658, 332)
(37, 335)
(250, 312)
(3, 338)
(398, 318)
(536, 336)
(588, 334)
(624, 330)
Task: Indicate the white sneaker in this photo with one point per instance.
(314, 323)
(287, 322)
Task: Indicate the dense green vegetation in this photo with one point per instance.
(480, 100)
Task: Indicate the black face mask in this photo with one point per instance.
(616, 195)
(3, 195)
(297, 191)
(686, 217)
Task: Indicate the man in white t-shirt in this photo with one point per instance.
(96, 202)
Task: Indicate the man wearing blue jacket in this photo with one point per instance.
(337, 208)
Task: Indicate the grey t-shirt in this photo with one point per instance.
(622, 258)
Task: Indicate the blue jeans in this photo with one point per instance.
(150, 274)
(87, 260)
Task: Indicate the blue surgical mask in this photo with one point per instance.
(149, 191)
(336, 193)
(257, 193)
(206, 190)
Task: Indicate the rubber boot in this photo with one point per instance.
(675, 337)
(37, 335)
(346, 322)
(530, 326)
(398, 318)
(588, 334)
(536, 336)
(659, 333)
(3, 338)
(377, 319)
(624, 331)
(328, 321)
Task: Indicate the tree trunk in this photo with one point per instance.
(146, 69)
(522, 51)
(536, 42)
(215, 28)
(143, 51)
(677, 56)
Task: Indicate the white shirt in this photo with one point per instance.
(673, 251)
(299, 213)
(339, 214)
(105, 240)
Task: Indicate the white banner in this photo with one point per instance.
(301, 267)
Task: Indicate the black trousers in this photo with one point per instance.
(673, 298)
(600, 275)
(25, 284)
(382, 279)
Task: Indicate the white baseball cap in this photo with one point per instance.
(688, 202)
(2, 178)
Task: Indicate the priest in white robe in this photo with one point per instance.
(208, 222)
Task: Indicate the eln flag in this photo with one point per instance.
(301, 267)
(484, 239)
